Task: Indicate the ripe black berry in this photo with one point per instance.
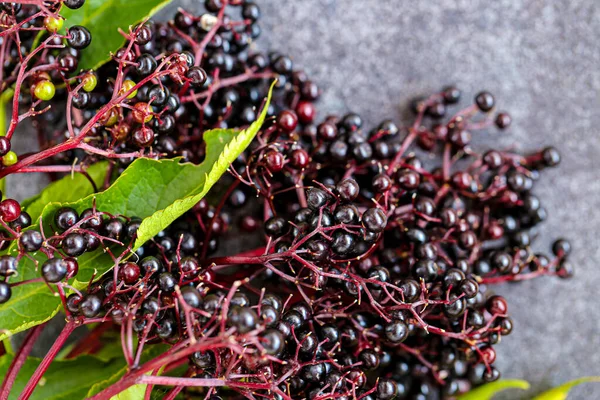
(90, 306)
(74, 4)
(8, 265)
(5, 292)
(54, 270)
(485, 101)
(374, 220)
(65, 218)
(74, 244)
(79, 37)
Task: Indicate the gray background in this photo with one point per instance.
(542, 60)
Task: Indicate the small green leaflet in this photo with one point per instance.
(103, 18)
(487, 392)
(158, 191)
(561, 392)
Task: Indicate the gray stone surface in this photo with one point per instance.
(542, 61)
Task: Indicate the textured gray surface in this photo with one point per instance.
(542, 61)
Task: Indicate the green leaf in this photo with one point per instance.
(486, 392)
(65, 190)
(561, 392)
(149, 353)
(135, 392)
(103, 18)
(158, 191)
(64, 380)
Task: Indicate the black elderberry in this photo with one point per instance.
(485, 101)
(54, 270)
(374, 220)
(167, 282)
(8, 265)
(244, 319)
(150, 265)
(396, 331)
(316, 198)
(31, 241)
(343, 242)
(411, 290)
(550, 157)
(79, 37)
(314, 373)
(90, 306)
(561, 248)
(191, 296)
(74, 244)
(73, 4)
(370, 359)
(275, 226)
(5, 292)
(115, 228)
(146, 65)
(425, 269)
(65, 218)
(386, 389)
(451, 95)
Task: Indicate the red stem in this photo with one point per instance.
(41, 369)
(19, 360)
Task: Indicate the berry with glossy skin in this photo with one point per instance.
(551, 157)
(396, 331)
(54, 270)
(503, 120)
(5, 292)
(5, 146)
(374, 220)
(8, 265)
(90, 306)
(44, 90)
(10, 210)
(191, 296)
(561, 248)
(485, 101)
(73, 4)
(287, 121)
(129, 273)
(65, 218)
(53, 24)
(347, 189)
(79, 37)
(31, 240)
(197, 76)
(146, 65)
(74, 244)
(316, 198)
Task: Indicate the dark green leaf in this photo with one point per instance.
(103, 18)
(488, 391)
(561, 392)
(159, 191)
(64, 380)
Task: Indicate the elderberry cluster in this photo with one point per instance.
(176, 80)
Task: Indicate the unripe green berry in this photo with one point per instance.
(44, 90)
(128, 84)
(9, 159)
(89, 81)
(52, 24)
